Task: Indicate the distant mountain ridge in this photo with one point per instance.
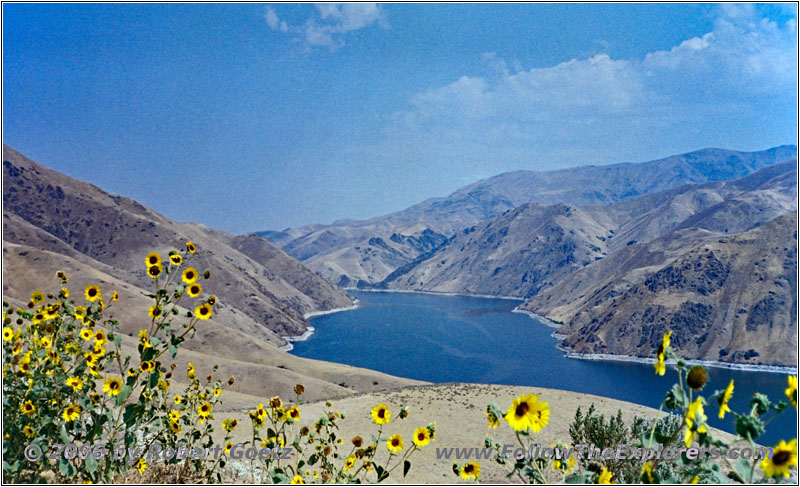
(594, 268)
(342, 251)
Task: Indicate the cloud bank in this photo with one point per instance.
(589, 109)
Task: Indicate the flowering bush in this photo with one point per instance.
(67, 380)
(684, 426)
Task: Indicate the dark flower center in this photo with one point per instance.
(781, 458)
(421, 437)
(114, 385)
(468, 468)
(92, 291)
(522, 409)
(381, 413)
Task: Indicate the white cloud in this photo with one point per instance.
(274, 22)
(743, 65)
(332, 22)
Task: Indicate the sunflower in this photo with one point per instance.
(422, 437)
(528, 412)
(155, 312)
(64, 292)
(228, 446)
(100, 337)
(113, 386)
(37, 296)
(37, 318)
(45, 342)
(147, 366)
(152, 259)
(28, 408)
(71, 413)
(92, 293)
(87, 334)
(349, 462)
(8, 334)
(695, 421)
(28, 431)
(471, 470)
(492, 421)
(115, 296)
(784, 456)
(204, 410)
(190, 371)
(190, 247)
(294, 413)
(604, 477)
(143, 338)
(212, 300)
(132, 372)
(723, 400)
(229, 425)
(141, 465)
(395, 443)
(174, 415)
(178, 399)
(203, 311)
(154, 271)
(194, 289)
(381, 414)
(297, 479)
(75, 382)
(189, 275)
(79, 311)
(51, 311)
(565, 465)
(175, 259)
(660, 366)
(791, 390)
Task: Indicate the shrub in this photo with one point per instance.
(684, 425)
(66, 380)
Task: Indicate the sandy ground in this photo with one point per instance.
(457, 409)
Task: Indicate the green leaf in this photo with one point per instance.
(90, 463)
(66, 468)
(173, 351)
(743, 469)
(123, 395)
(313, 459)
(280, 478)
(117, 340)
(406, 467)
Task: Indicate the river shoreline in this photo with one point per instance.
(310, 330)
(775, 369)
(434, 293)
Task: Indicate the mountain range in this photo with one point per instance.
(348, 252)
(604, 251)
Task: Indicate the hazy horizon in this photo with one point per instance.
(310, 114)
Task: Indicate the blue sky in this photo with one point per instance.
(248, 117)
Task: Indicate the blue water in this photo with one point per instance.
(440, 338)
